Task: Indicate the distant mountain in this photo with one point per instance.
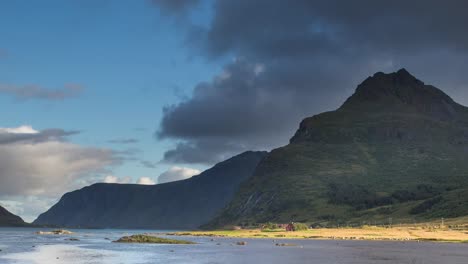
(9, 219)
(175, 205)
(396, 149)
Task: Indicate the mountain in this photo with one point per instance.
(9, 219)
(175, 205)
(396, 149)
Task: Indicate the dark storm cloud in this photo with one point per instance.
(298, 58)
(202, 151)
(274, 28)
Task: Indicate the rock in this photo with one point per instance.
(62, 232)
(241, 243)
(285, 245)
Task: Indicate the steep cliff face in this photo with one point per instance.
(175, 205)
(9, 219)
(396, 148)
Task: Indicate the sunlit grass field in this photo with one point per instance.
(452, 230)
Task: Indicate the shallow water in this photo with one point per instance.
(22, 245)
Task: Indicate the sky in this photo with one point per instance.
(149, 92)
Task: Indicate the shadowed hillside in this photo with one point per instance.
(175, 205)
(9, 219)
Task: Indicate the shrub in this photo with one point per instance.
(300, 226)
(270, 226)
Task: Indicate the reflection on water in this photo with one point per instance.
(95, 246)
(52, 254)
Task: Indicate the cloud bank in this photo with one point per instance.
(146, 181)
(127, 180)
(176, 174)
(116, 179)
(296, 59)
(43, 164)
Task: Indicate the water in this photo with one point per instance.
(22, 245)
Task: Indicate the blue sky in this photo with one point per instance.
(130, 61)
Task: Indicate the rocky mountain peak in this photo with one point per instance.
(401, 91)
(405, 102)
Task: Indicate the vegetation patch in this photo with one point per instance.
(300, 227)
(426, 205)
(151, 240)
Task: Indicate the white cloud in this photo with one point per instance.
(42, 165)
(47, 168)
(19, 130)
(145, 181)
(115, 179)
(26, 134)
(176, 174)
(127, 180)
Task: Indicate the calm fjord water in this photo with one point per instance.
(22, 245)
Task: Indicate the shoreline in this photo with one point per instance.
(367, 233)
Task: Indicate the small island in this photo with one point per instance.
(55, 232)
(147, 239)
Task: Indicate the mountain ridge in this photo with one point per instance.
(395, 148)
(174, 205)
(9, 219)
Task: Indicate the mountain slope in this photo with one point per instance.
(397, 148)
(9, 219)
(175, 205)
